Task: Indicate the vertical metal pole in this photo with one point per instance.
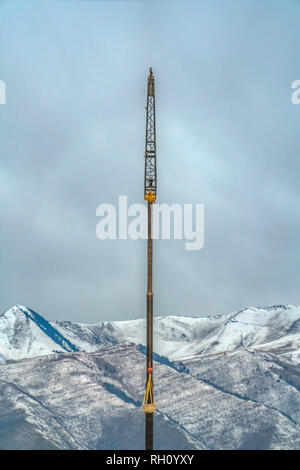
(150, 188)
(149, 355)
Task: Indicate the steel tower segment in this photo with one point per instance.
(150, 146)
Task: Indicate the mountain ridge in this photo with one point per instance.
(25, 333)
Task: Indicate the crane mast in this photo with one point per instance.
(150, 190)
(150, 147)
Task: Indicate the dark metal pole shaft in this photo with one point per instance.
(150, 188)
(149, 355)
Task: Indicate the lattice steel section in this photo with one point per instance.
(150, 147)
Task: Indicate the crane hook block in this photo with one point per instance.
(149, 405)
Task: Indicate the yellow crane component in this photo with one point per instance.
(150, 196)
(148, 404)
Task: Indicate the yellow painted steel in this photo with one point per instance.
(148, 404)
(150, 196)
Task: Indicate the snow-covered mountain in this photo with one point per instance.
(238, 400)
(25, 334)
(228, 381)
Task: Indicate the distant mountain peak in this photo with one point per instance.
(25, 333)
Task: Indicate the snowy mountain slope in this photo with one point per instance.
(179, 337)
(93, 401)
(92, 337)
(81, 401)
(256, 376)
(229, 381)
(23, 333)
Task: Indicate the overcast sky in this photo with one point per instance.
(72, 136)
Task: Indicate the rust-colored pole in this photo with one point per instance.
(149, 355)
